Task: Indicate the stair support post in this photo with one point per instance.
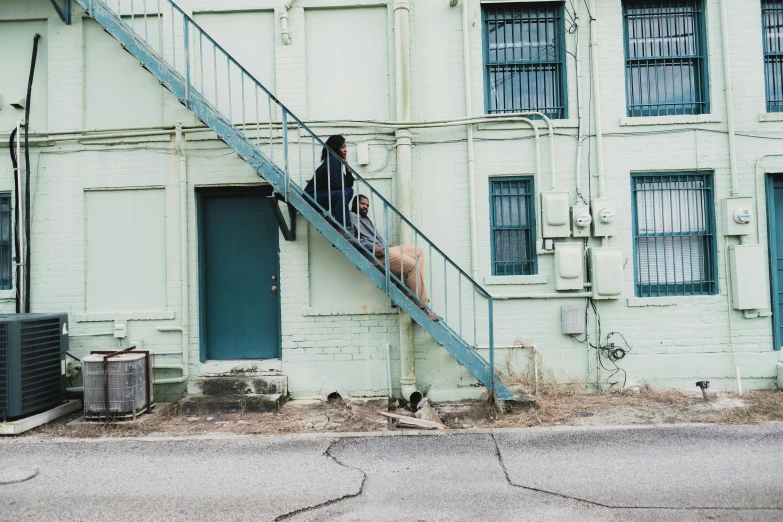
(186, 33)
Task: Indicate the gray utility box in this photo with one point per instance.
(32, 363)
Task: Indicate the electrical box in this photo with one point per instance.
(569, 272)
(555, 214)
(748, 277)
(363, 153)
(120, 329)
(737, 216)
(573, 320)
(604, 218)
(606, 272)
(580, 221)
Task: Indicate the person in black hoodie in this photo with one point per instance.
(332, 185)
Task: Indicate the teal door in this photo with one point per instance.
(775, 220)
(240, 276)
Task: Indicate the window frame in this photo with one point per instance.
(531, 219)
(709, 285)
(649, 110)
(9, 285)
(778, 107)
(562, 82)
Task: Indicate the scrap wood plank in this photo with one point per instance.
(414, 422)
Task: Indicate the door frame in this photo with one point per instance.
(773, 254)
(203, 193)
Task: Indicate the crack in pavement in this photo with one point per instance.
(8, 482)
(609, 506)
(327, 453)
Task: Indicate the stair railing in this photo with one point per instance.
(207, 79)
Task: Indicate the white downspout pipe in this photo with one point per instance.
(471, 154)
(729, 98)
(599, 133)
(404, 185)
(184, 266)
(285, 32)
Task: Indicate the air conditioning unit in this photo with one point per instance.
(32, 363)
(117, 386)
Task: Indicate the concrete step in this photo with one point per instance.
(238, 403)
(239, 385)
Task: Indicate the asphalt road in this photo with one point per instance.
(677, 473)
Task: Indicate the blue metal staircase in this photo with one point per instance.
(285, 152)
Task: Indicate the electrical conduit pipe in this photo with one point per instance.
(184, 264)
(404, 184)
(599, 133)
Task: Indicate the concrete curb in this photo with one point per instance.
(401, 433)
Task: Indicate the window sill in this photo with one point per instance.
(674, 300)
(7, 294)
(513, 125)
(626, 121)
(348, 310)
(771, 116)
(538, 279)
(123, 316)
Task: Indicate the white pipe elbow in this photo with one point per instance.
(285, 32)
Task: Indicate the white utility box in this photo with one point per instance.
(569, 272)
(580, 221)
(604, 218)
(737, 216)
(748, 277)
(555, 214)
(573, 320)
(363, 153)
(606, 272)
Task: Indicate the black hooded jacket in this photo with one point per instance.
(329, 178)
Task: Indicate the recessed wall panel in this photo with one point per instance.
(347, 63)
(125, 246)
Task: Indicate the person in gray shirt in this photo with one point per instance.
(405, 261)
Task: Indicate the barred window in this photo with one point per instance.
(512, 222)
(524, 58)
(6, 250)
(674, 234)
(772, 17)
(665, 69)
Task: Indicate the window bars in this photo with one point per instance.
(524, 56)
(772, 18)
(6, 250)
(666, 72)
(674, 234)
(512, 226)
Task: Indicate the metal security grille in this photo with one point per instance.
(524, 57)
(772, 16)
(6, 251)
(674, 234)
(513, 226)
(665, 68)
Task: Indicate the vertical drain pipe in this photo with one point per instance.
(404, 186)
(471, 154)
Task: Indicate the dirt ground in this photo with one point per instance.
(554, 408)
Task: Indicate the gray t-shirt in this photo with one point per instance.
(368, 236)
